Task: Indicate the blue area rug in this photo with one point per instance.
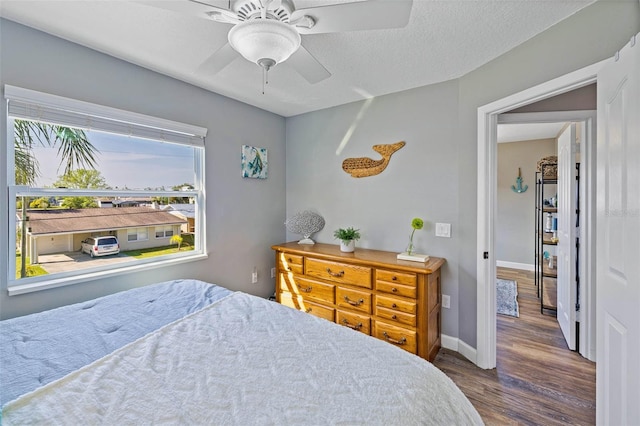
(506, 298)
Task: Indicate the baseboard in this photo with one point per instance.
(515, 265)
(455, 344)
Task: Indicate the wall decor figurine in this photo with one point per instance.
(364, 166)
(305, 223)
(518, 186)
(254, 162)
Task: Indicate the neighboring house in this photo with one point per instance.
(183, 211)
(132, 202)
(63, 230)
(104, 202)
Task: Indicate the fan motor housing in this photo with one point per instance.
(251, 9)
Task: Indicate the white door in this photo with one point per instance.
(566, 249)
(618, 240)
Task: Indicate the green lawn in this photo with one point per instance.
(187, 244)
(32, 270)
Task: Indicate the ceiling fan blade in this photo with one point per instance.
(308, 66)
(220, 59)
(200, 9)
(355, 16)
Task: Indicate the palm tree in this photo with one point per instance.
(74, 148)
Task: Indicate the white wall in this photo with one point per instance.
(515, 230)
(244, 216)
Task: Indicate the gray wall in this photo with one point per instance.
(435, 175)
(244, 216)
(515, 232)
(420, 180)
(583, 98)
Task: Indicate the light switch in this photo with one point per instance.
(443, 230)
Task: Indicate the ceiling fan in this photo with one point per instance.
(267, 32)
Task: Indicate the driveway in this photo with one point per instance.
(73, 261)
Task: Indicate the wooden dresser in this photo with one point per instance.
(369, 291)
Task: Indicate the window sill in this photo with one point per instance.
(17, 289)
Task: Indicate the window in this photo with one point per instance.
(138, 234)
(80, 170)
(164, 231)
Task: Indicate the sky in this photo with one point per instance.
(127, 162)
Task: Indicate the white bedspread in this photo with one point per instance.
(244, 360)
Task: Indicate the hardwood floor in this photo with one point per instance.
(538, 380)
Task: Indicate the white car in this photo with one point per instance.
(101, 246)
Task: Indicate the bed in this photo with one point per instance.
(189, 352)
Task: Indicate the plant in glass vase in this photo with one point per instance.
(416, 224)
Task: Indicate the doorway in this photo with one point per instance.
(566, 291)
(488, 117)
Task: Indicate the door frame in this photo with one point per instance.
(487, 201)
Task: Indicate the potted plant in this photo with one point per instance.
(347, 237)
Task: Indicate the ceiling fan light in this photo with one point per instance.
(264, 38)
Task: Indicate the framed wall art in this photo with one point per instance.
(254, 162)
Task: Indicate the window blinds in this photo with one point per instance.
(28, 104)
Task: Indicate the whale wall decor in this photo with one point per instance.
(365, 166)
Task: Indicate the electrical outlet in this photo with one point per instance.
(273, 272)
(443, 230)
(254, 277)
(446, 301)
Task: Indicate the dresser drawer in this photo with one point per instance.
(321, 311)
(299, 303)
(408, 306)
(339, 272)
(291, 263)
(353, 299)
(395, 316)
(397, 289)
(356, 322)
(403, 338)
(395, 277)
(308, 289)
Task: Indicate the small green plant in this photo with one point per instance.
(347, 234)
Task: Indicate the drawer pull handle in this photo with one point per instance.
(394, 316)
(400, 342)
(335, 274)
(306, 290)
(356, 327)
(288, 268)
(394, 290)
(394, 278)
(394, 306)
(308, 310)
(353, 302)
(290, 260)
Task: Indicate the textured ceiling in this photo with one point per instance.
(443, 40)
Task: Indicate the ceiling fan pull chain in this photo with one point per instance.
(265, 72)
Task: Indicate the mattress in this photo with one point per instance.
(245, 360)
(40, 348)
